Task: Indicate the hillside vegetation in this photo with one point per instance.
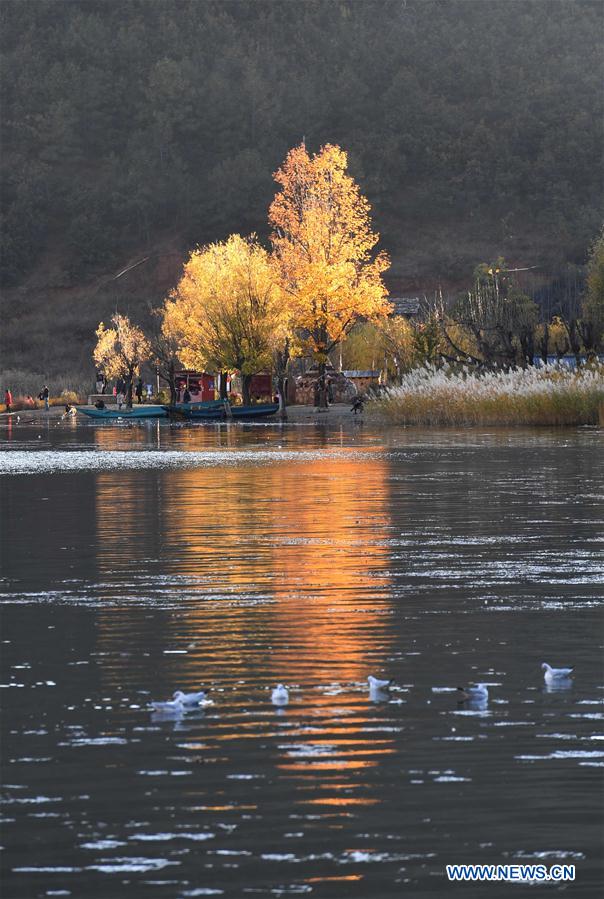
(136, 129)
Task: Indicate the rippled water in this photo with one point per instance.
(143, 558)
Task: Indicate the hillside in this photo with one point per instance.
(134, 131)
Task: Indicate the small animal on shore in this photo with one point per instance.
(554, 675)
(357, 404)
(479, 693)
(280, 695)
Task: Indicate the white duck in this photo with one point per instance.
(173, 707)
(376, 684)
(479, 693)
(555, 675)
(189, 700)
(280, 695)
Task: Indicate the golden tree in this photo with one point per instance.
(121, 350)
(324, 247)
(227, 312)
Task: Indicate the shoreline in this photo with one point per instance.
(337, 412)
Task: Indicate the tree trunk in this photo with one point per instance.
(246, 381)
(282, 398)
(281, 362)
(322, 385)
(545, 343)
(168, 376)
(129, 379)
(574, 340)
(223, 385)
(172, 383)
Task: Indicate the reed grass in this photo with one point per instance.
(534, 396)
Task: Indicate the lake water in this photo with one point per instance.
(144, 558)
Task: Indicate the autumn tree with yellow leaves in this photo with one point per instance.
(227, 312)
(120, 350)
(323, 246)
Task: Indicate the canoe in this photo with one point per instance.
(259, 410)
(184, 410)
(126, 414)
(199, 412)
(218, 411)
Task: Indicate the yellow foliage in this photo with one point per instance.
(323, 246)
(227, 311)
(558, 337)
(389, 345)
(120, 350)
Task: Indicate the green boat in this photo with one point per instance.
(223, 411)
(211, 409)
(126, 414)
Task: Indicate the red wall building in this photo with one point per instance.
(200, 384)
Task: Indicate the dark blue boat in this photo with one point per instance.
(222, 411)
(259, 410)
(210, 409)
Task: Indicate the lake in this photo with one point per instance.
(144, 558)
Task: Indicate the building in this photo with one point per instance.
(407, 306)
(363, 380)
(200, 385)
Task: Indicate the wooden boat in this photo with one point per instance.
(221, 411)
(259, 410)
(213, 409)
(126, 414)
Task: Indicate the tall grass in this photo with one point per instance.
(23, 382)
(532, 396)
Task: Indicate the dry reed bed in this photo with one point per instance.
(534, 396)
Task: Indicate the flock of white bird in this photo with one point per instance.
(478, 694)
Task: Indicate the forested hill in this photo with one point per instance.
(471, 126)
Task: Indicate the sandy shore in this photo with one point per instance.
(337, 412)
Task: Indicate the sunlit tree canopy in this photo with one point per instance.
(324, 246)
(227, 312)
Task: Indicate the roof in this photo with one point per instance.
(405, 305)
(370, 373)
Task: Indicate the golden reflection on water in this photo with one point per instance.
(295, 547)
(286, 570)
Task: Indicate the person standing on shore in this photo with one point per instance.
(8, 399)
(44, 396)
(139, 391)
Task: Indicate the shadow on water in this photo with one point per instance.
(141, 559)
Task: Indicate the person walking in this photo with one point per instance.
(139, 391)
(8, 399)
(44, 396)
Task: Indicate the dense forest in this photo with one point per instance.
(135, 129)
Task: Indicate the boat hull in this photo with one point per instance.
(213, 409)
(260, 410)
(219, 412)
(126, 414)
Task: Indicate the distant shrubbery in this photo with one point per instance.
(63, 389)
(534, 396)
(122, 121)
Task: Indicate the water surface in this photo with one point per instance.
(143, 558)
